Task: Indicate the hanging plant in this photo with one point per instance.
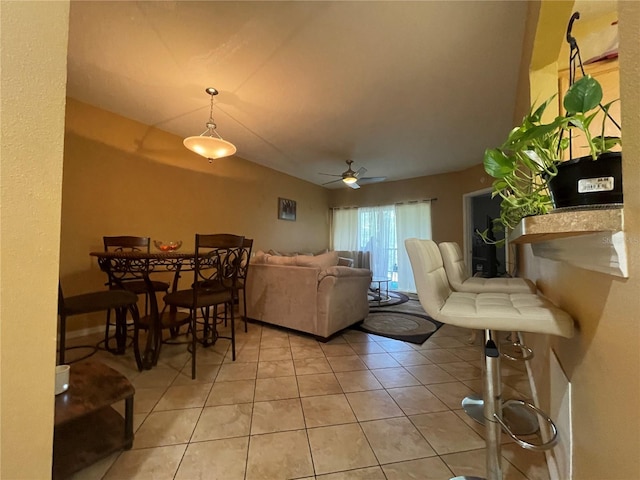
(529, 159)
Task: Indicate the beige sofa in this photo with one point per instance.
(311, 294)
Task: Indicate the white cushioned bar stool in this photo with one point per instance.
(490, 312)
(521, 420)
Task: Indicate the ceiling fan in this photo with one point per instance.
(352, 178)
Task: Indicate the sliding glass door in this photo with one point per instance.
(382, 232)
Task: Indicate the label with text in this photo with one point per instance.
(600, 184)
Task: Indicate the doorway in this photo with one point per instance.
(483, 259)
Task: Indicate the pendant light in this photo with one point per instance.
(209, 143)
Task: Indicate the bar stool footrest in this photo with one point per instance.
(540, 447)
(526, 353)
(521, 421)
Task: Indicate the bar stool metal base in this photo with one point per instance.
(520, 420)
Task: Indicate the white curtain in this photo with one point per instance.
(345, 229)
(413, 220)
(382, 232)
(378, 236)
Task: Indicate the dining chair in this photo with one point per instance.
(243, 271)
(129, 282)
(215, 278)
(112, 299)
(247, 246)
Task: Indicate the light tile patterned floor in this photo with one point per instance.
(358, 407)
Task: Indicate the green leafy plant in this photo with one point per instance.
(528, 159)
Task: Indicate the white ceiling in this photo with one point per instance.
(404, 89)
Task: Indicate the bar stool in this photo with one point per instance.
(521, 420)
(490, 312)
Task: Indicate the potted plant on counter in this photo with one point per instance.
(528, 165)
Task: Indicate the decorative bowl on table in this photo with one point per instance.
(167, 246)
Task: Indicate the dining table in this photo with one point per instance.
(121, 266)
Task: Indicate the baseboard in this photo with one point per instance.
(85, 331)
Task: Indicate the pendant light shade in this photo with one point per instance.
(210, 144)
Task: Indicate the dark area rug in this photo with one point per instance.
(404, 320)
(395, 298)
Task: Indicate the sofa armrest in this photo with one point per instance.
(283, 295)
(341, 271)
(342, 298)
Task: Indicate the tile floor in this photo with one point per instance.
(358, 407)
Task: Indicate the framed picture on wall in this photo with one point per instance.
(286, 209)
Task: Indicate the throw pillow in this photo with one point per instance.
(259, 257)
(345, 262)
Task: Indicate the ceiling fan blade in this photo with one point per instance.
(329, 174)
(353, 185)
(361, 171)
(332, 181)
(367, 180)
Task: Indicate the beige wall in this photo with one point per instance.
(34, 53)
(125, 178)
(602, 361)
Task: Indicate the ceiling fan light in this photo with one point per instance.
(349, 180)
(209, 147)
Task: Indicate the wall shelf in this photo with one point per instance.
(589, 239)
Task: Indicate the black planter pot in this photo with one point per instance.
(587, 182)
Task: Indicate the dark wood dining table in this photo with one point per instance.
(119, 265)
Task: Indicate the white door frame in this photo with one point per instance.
(467, 220)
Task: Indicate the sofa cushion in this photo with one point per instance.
(278, 260)
(322, 261)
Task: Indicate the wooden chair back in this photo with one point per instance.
(126, 243)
